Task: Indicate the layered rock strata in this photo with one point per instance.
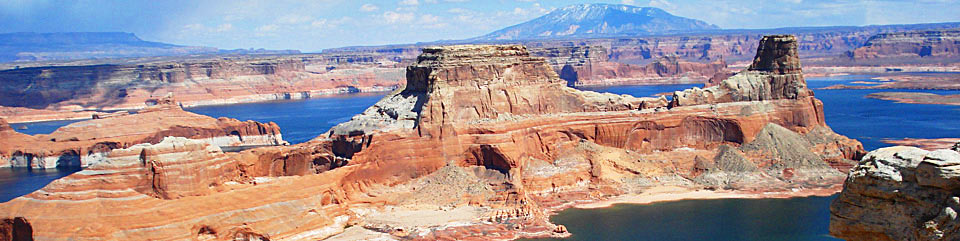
(774, 74)
(87, 142)
(483, 142)
(909, 46)
(31, 93)
(590, 65)
(900, 193)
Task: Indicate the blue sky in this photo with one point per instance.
(311, 25)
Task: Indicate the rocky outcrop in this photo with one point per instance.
(484, 128)
(87, 142)
(774, 74)
(900, 193)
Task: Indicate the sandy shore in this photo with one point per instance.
(667, 194)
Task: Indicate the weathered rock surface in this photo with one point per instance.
(900, 193)
(485, 136)
(15, 229)
(590, 65)
(87, 142)
(774, 74)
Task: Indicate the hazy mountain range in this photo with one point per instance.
(600, 20)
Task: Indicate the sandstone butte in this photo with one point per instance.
(483, 142)
(86, 143)
(900, 193)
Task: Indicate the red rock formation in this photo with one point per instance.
(774, 74)
(15, 229)
(87, 142)
(909, 46)
(486, 127)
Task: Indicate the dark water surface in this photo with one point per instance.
(43, 127)
(848, 112)
(15, 182)
(869, 120)
(299, 120)
(719, 219)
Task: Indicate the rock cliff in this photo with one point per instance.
(87, 142)
(483, 142)
(774, 74)
(589, 65)
(900, 193)
(911, 46)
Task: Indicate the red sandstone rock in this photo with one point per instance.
(483, 126)
(87, 142)
(909, 46)
(15, 229)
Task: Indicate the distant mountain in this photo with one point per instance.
(28, 46)
(599, 20)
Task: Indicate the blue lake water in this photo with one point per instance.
(846, 111)
(299, 120)
(721, 219)
(44, 127)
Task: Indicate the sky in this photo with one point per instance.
(312, 25)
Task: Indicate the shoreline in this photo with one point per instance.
(671, 194)
(87, 114)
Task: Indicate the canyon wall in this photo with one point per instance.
(32, 93)
(913, 46)
(590, 65)
(483, 142)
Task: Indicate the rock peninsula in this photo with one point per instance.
(88, 142)
(481, 142)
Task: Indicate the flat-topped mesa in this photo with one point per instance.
(474, 65)
(774, 74)
(468, 83)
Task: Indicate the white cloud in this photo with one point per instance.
(627, 2)
(664, 4)
(369, 8)
(431, 21)
(409, 2)
(224, 27)
(294, 19)
(268, 28)
(395, 17)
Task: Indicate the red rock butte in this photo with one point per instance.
(483, 142)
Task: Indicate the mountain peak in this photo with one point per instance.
(599, 19)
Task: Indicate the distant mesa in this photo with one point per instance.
(597, 20)
(29, 46)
